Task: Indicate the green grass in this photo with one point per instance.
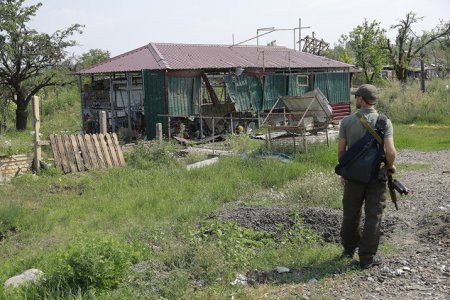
(422, 137)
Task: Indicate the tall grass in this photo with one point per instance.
(406, 104)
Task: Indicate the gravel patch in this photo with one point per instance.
(323, 221)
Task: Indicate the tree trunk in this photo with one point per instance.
(21, 115)
(401, 73)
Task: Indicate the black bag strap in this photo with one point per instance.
(369, 128)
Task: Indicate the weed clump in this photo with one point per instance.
(150, 156)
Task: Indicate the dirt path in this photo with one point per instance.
(419, 265)
(419, 268)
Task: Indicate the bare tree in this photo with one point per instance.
(408, 44)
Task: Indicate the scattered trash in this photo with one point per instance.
(282, 270)
(280, 156)
(240, 280)
(203, 163)
(399, 272)
(407, 269)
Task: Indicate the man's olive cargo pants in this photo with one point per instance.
(373, 197)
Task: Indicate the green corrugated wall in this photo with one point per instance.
(335, 86)
(154, 101)
(274, 87)
(294, 88)
(245, 92)
(256, 92)
(184, 95)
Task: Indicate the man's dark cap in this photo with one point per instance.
(368, 92)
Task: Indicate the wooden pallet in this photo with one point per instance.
(78, 153)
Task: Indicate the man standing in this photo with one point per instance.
(372, 194)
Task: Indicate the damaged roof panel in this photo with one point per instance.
(159, 56)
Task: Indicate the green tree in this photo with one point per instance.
(93, 57)
(29, 60)
(340, 53)
(408, 45)
(367, 43)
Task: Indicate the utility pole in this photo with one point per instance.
(300, 34)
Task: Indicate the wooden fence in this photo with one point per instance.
(78, 153)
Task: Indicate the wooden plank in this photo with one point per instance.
(44, 143)
(55, 150)
(37, 138)
(62, 153)
(69, 153)
(84, 152)
(111, 150)
(76, 151)
(98, 150)
(91, 151)
(118, 149)
(105, 150)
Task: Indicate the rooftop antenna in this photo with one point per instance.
(300, 34)
(268, 30)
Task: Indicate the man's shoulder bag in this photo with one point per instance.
(362, 161)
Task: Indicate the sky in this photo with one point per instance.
(123, 25)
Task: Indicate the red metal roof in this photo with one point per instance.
(159, 56)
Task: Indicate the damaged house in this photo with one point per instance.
(188, 88)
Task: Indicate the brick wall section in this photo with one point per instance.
(12, 165)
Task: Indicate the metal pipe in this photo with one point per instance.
(83, 102)
(213, 133)
(300, 34)
(112, 97)
(130, 131)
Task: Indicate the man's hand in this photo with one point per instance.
(391, 170)
(343, 181)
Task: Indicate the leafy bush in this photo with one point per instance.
(98, 263)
